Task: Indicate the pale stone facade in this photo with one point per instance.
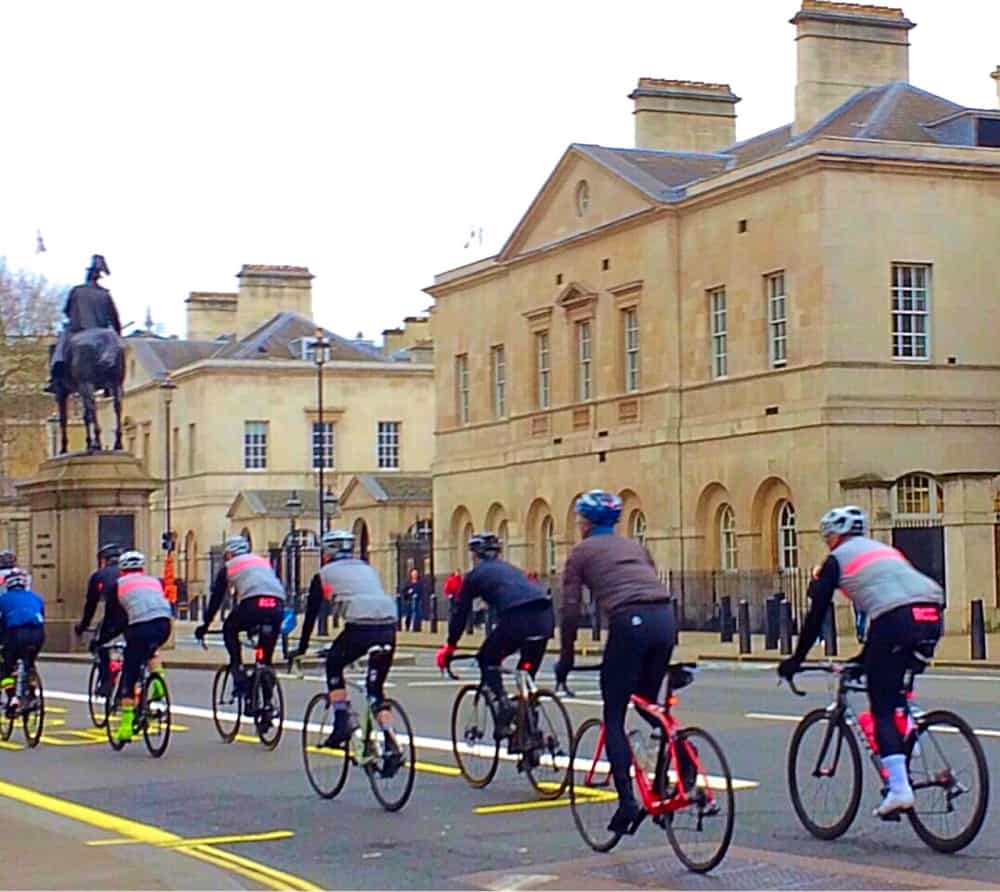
(714, 336)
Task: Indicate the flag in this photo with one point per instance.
(474, 235)
(39, 243)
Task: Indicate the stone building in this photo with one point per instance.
(737, 335)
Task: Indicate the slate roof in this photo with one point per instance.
(273, 340)
(271, 502)
(162, 355)
(392, 488)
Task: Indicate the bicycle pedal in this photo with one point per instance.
(893, 817)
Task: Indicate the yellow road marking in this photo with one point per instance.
(537, 803)
(199, 840)
(434, 768)
(259, 873)
(10, 746)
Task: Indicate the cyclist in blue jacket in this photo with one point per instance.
(22, 615)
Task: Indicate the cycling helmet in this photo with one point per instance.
(601, 508)
(7, 560)
(110, 552)
(16, 578)
(235, 545)
(339, 543)
(132, 560)
(847, 521)
(485, 545)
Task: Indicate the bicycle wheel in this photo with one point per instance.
(950, 780)
(700, 832)
(473, 736)
(226, 705)
(95, 702)
(548, 764)
(393, 773)
(34, 708)
(825, 801)
(326, 768)
(592, 795)
(156, 716)
(113, 714)
(6, 722)
(269, 716)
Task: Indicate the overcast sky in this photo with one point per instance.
(359, 139)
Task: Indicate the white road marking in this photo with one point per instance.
(443, 683)
(782, 717)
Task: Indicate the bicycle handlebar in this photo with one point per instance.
(851, 670)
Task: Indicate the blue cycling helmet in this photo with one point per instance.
(485, 545)
(601, 508)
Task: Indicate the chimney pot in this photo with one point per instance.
(683, 116)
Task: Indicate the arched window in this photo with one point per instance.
(502, 534)
(728, 552)
(549, 546)
(919, 495)
(637, 526)
(245, 533)
(582, 197)
(787, 537)
(467, 533)
(360, 531)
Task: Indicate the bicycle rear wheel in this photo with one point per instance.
(95, 702)
(473, 735)
(269, 715)
(392, 775)
(225, 702)
(700, 832)
(824, 774)
(326, 767)
(156, 721)
(950, 780)
(592, 795)
(113, 714)
(551, 722)
(34, 708)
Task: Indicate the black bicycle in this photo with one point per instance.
(152, 712)
(96, 698)
(260, 698)
(946, 764)
(542, 735)
(29, 708)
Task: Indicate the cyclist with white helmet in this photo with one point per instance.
(904, 612)
(8, 562)
(260, 601)
(149, 623)
(354, 587)
(622, 579)
(22, 618)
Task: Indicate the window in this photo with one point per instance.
(388, 445)
(254, 445)
(542, 359)
(914, 496)
(499, 382)
(630, 318)
(462, 388)
(728, 551)
(637, 527)
(788, 538)
(191, 428)
(910, 311)
(717, 306)
(322, 445)
(777, 317)
(582, 197)
(585, 386)
(549, 546)
(502, 534)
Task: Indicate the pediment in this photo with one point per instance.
(575, 295)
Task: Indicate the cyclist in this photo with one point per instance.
(369, 622)
(903, 608)
(623, 584)
(8, 561)
(524, 621)
(22, 614)
(101, 584)
(149, 621)
(260, 600)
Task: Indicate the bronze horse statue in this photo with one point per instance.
(95, 361)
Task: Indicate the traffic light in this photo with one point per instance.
(167, 541)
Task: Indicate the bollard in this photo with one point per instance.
(785, 627)
(399, 614)
(434, 614)
(726, 619)
(830, 633)
(744, 626)
(977, 629)
(595, 622)
(772, 611)
(677, 621)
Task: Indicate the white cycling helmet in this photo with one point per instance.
(132, 560)
(235, 545)
(850, 520)
(340, 543)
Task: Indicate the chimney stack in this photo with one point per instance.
(844, 48)
(683, 116)
(996, 77)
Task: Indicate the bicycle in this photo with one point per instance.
(924, 742)
(326, 768)
(97, 702)
(261, 698)
(30, 708)
(695, 805)
(542, 734)
(152, 716)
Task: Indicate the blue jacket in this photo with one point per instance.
(21, 607)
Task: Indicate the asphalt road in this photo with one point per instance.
(206, 790)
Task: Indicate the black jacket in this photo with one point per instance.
(501, 585)
(102, 585)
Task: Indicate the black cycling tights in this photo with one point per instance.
(526, 628)
(261, 612)
(640, 641)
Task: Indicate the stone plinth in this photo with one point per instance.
(78, 502)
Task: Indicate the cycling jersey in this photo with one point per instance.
(353, 584)
(251, 575)
(501, 585)
(102, 585)
(20, 608)
(142, 597)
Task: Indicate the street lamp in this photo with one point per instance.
(169, 584)
(321, 354)
(330, 508)
(294, 508)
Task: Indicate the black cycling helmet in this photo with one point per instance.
(485, 545)
(109, 552)
(7, 559)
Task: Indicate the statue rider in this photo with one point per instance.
(89, 305)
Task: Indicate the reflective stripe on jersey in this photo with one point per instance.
(251, 575)
(142, 597)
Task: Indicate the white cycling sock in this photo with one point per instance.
(895, 764)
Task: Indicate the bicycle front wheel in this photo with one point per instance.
(392, 773)
(113, 714)
(701, 831)
(269, 715)
(156, 708)
(824, 774)
(547, 756)
(34, 708)
(473, 735)
(226, 705)
(326, 767)
(95, 702)
(592, 795)
(950, 780)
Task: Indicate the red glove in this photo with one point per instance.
(441, 657)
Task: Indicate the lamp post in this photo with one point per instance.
(321, 354)
(169, 580)
(329, 510)
(294, 508)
